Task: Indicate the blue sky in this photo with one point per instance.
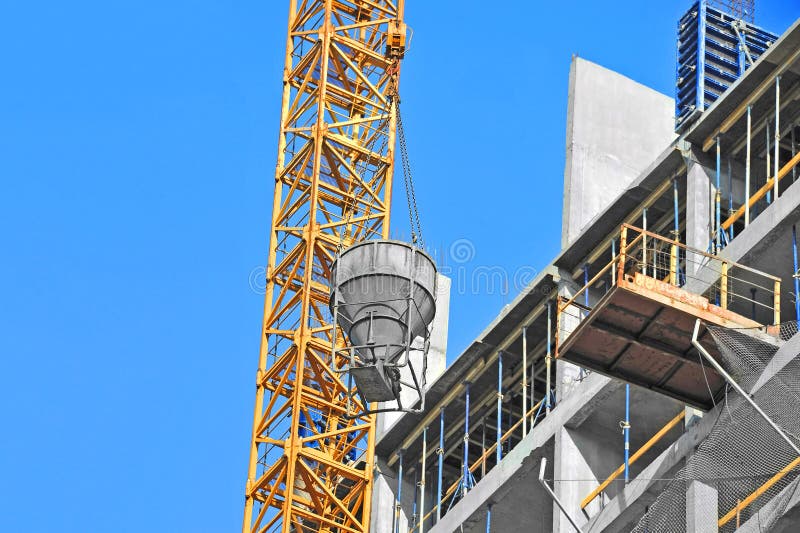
(137, 146)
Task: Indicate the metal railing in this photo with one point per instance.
(761, 193)
(534, 414)
(726, 284)
(743, 504)
(730, 286)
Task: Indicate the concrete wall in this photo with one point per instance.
(615, 129)
(384, 498)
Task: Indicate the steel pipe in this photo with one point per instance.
(718, 367)
(553, 495)
(747, 172)
(440, 452)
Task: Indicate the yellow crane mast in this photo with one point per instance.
(311, 467)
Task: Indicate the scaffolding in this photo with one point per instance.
(729, 468)
(717, 43)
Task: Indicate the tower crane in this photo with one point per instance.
(310, 465)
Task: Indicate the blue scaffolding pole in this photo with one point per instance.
(398, 500)
(499, 448)
(467, 481)
(440, 453)
(796, 279)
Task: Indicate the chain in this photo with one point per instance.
(408, 181)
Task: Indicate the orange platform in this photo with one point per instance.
(640, 332)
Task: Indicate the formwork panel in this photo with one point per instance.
(672, 328)
(692, 378)
(711, 57)
(630, 313)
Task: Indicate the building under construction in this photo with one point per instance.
(648, 379)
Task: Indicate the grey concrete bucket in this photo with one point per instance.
(383, 296)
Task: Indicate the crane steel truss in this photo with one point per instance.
(741, 9)
(310, 467)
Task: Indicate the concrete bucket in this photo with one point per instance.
(383, 296)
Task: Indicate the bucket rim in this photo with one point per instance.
(373, 242)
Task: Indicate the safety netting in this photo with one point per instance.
(744, 465)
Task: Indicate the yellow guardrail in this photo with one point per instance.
(762, 192)
(733, 513)
(641, 451)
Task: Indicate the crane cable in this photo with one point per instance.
(408, 179)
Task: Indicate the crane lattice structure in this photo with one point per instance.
(741, 9)
(310, 467)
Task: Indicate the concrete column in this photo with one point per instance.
(384, 491)
(567, 374)
(692, 416)
(700, 191)
(570, 464)
(701, 508)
